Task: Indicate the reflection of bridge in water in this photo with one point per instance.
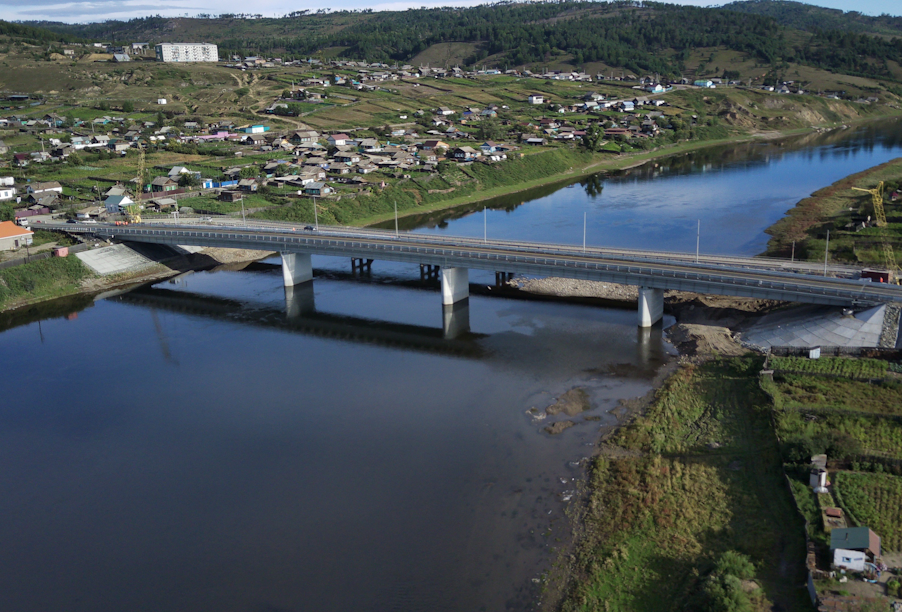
(454, 338)
(300, 315)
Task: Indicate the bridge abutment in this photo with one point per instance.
(651, 306)
(297, 268)
(455, 285)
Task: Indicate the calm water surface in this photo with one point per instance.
(207, 444)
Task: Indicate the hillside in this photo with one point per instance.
(810, 18)
(623, 35)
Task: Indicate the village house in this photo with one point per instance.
(248, 184)
(338, 140)
(317, 189)
(465, 154)
(117, 204)
(163, 184)
(13, 236)
(536, 99)
(303, 136)
(44, 188)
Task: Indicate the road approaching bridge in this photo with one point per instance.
(652, 272)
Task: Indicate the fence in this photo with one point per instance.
(11, 263)
(886, 354)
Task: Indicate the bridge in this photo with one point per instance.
(653, 272)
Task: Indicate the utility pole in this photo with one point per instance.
(826, 252)
(315, 218)
(485, 224)
(793, 256)
(584, 232)
(698, 236)
(396, 217)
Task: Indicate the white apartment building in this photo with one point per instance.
(187, 52)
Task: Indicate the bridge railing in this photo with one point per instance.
(705, 260)
(542, 255)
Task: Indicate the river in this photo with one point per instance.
(202, 445)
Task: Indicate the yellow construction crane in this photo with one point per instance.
(877, 196)
(889, 258)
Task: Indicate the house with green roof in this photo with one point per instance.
(856, 538)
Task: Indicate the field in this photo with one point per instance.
(794, 391)
(874, 500)
(701, 478)
(835, 366)
(839, 435)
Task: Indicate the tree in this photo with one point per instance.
(242, 91)
(286, 94)
(188, 179)
(104, 105)
(128, 106)
(7, 213)
(249, 172)
(489, 129)
(592, 138)
(75, 159)
(161, 119)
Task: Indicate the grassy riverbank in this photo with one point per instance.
(698, 476)
(41, 280)
(840, 209)
(464, 185)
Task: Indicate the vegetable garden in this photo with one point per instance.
(875, 501)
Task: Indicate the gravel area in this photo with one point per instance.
(890, 326)
(576, 288)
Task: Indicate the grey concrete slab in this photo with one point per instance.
(114, 259)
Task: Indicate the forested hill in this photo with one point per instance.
(811, 18)
(642, 37)
(33, 35)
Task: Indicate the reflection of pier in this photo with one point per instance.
(300, 316)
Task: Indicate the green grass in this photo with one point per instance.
(873, 434)
(836, 366)
(657, 521)
(875, 500)
(797, 391)
(41, 280)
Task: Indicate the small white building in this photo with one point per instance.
(852, 560)
(7, 193)
(161, 101)
(536, 99)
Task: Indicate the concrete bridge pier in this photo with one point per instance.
(651, 306)
(360, 265)
(503, 277)
(297, 268)
(455, 285)
(456, 319)
(299, 300)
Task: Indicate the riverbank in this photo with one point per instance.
(62, 277)
(841, 210)
(604, 162)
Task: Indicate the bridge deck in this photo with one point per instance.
(760, 278)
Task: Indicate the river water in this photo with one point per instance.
(211, 443)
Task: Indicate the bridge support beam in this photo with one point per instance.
(297, 268)
(455, 285)
(428, 272)
(360, 265)
(651, 306)
(503, 277)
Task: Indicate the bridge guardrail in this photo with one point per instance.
(791, 282)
